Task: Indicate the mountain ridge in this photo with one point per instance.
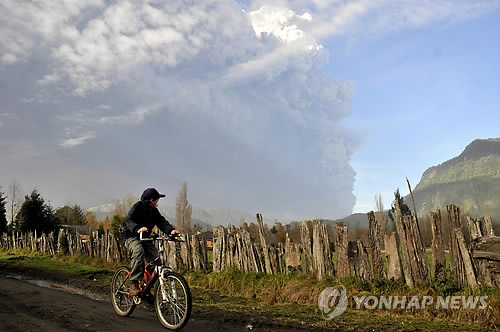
(471, 181)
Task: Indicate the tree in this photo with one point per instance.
(3, 213)
(15, 200)
(91, 221)
(197, 228)
(36, 215)
(71, 215)
(280, 232)
(381, 215)
(183, 210)
(116, 225)
(123, 207)
(405, 209)
(100, 230)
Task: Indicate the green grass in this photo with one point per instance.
(68, 266)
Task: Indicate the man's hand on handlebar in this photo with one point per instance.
(174, 233)
(142, 230)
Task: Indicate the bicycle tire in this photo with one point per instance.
(175, 310)
(123, 304)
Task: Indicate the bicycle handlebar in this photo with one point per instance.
(156, 237)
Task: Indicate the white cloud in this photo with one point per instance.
(362, 19)
(72, 142)
(134, 117)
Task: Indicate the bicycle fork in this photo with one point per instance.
(163, 285)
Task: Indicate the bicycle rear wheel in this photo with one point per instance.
(122, 302)
(173, 301)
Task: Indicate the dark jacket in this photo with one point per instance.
(142, 214)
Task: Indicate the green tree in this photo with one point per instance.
(100, 230)
(116, 225)
(36, 215)
(405, 209)
(3, 213)
(71, 215)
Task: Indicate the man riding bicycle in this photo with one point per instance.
(142, 217)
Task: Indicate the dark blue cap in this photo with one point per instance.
(151, 193)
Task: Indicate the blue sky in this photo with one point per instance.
(421, 96)
(294, 109)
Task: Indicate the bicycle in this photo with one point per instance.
(172, 296)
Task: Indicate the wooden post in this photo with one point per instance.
(416, 251)
(470, 274)
(322, 256)
(305, 244)
(358, 261)
(486, 257)
(292, 254)
(219, 248)
(403, 245)
(341, 250)
(457, 264)
(374, 235)
(394, 270)
(438, 261)
(474, 226)
(263, 243)
(196, 252)
(486, 226)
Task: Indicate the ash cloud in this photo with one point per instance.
(133, 95)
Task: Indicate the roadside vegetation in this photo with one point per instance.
(284, 300)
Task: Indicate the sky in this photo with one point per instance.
(294, 109)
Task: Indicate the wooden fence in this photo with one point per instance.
(472, 264)
(191, 254)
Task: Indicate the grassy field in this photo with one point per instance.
(284, 300)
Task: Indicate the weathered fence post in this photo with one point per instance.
(322, 255)
(358, 261)
(186, 258)
(341, 250)
(219, 248)
(305, 237)
(292, 254)
(374, 235)
(403, 245)
(394, 270)
(462, 268)
(457, 264)
(263, 243)
(438, 262)
(416, 251)
(197, 254)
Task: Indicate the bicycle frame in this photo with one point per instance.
(151, 277)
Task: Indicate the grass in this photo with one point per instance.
(287, 300)
(79, 267)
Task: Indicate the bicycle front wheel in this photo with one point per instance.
(173, 301)
(123, 303)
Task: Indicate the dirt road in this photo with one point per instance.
(25, 306)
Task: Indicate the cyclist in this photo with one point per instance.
(142, 218)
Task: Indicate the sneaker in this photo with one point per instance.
(134, 288)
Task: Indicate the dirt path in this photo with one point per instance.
(26, 306)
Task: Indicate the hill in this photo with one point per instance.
(470, 181)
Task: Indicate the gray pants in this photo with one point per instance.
(138, 251)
